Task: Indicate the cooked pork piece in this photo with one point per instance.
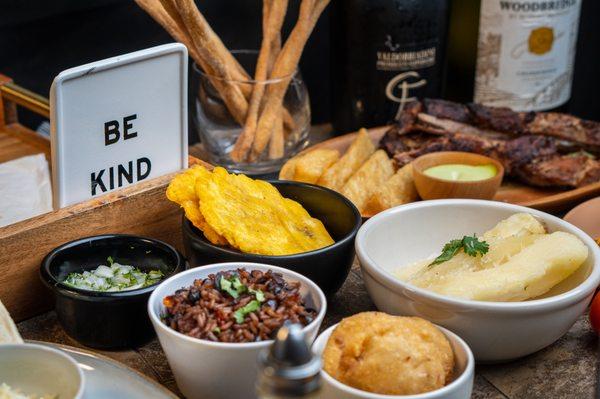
(406, 147)
(437, 125)
(560, 171)
(447, 110)
(527, 152)
(501, 119)
(567, 127)
(504, 120)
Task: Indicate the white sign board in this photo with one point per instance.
(118, 121)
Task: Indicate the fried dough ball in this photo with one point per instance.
(393, 355)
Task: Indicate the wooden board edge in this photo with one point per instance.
(90, 205)
(563, 200)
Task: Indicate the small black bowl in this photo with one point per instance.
(107, 320)
(328, 267)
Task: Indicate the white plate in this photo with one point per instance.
(108, 379)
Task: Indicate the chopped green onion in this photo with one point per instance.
(258, 294)
(241, 313)
(115, 277)
(232, 285)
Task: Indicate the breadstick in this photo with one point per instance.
(285, 65)
(216, 46)
(165, 13)
(277, 142)
(160, 15)
(273, 15)
(204, 40)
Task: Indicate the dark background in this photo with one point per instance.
(40, 38)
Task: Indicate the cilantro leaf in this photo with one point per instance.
(241, 313)
(470, 244)
(473, 246)
(110, 260)
(450, 249)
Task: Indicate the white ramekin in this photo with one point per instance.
(459, 388)
(40, 370)
(205, 369)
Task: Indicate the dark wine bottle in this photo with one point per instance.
(385, 53)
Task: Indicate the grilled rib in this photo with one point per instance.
(534, 158)
(504, 120)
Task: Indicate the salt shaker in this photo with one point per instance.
(288, 368)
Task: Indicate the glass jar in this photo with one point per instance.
(218, 130)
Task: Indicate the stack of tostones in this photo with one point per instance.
(249, 215)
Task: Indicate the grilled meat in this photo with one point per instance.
(406, 147)
(517, 140)
(447, 110)
(504, 120)
(567, 127)
(560, 171)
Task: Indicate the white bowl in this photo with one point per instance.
(495, 331)
(39, 370)
(205, 369)
(460, 387)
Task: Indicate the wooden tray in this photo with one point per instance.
(140, 209)
(513, 192)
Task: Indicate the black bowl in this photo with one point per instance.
(107, 320)
(328, 267)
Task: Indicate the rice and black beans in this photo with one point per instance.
(236, 306)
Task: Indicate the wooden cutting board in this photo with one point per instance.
(547, 199)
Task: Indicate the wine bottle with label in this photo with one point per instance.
(385, 53)
(522, 56)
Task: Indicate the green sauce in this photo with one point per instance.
(460, 172)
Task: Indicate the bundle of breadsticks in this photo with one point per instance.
(258, 108)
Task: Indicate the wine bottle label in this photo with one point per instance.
(406, 68)
(525, 53)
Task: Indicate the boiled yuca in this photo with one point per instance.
(505, 239)
(528, 274)
(510, 236)
(360, 150)
(519, 224)
(521, 262)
